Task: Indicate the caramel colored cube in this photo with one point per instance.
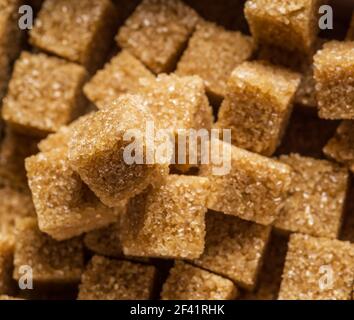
(97, 151)
(315, 204)
(350, 34)
(53, 99)
(52, 262)
(108, 279)
(6, 265)
(64, 204)
(14, 204)
(212, 54)
(123, 74)
(341, 147)
(269, 277)
(167, 221)
(157, 32)
(187, 282)
(334, 75)
(79, 31)
(257, 105)
(234, 248)
(253, 189)
(292, 25)
(14, 149)
(317, 269)
(178, 102)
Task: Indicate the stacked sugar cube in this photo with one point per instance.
(279, 224)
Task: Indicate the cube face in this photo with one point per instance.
(50, 260)
(178, 102)
(317, 269)
(97, 151)
(65, 206)
(157, 32)
(106, 279)
(315, 204)
(258, 105)
(167, 221)
(14, 205)
(341, 147)
(203, 56)
(234, 248)
(14, 149)
(187, 282)
(84, 36)
(334, 71)
(123, 74)
(253, 190)
(292, 25)
(53, 100)
(6, 264)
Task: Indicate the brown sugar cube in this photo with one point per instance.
(14, 149)
(257, 105)
(315, 204)
(79, 31)
(178, 102)
(6, 266)
(212, 54)
(65, 206)
(10, 39)
(123, 74)
(350, 34)
(317, 269)
(341, 147)
(167, 221)
(157, 32)
(234, 248)
(334, 75)
(97, 151)
(108, 279)
(269, 277)
(306, 134)
(14, 204)
(252, 189)
(53, 99)
(292, 25)
(187, 282)
(51, 261)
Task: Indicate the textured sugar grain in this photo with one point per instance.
(52, 262)
(65, 206)
(79, 31)
(252, 189)
(157, 32)
(97, 148)
(167, 221)
(53, 99)
(334, 76)
(108, 279)
(186, 282)
(212, 54)
(123, 74)
(315, 204)
(311, 263)
(234, 248)
(258, 105)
